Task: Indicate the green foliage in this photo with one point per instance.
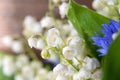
(86, 22)
(3, 77)
(111, 66)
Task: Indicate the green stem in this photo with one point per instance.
(72, 65)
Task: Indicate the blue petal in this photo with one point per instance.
(105, 41)
(102, 51)
(115, 24)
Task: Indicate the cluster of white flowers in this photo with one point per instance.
(61, 41)
(109, 8)
(72, 48)
(24, 69)
(36, 43)
(16, 45)
(88, 70)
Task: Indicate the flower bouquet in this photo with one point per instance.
(82, 44)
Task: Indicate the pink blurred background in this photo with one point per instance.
(12, 13)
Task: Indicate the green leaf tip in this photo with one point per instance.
(111, 65)
(86, 22)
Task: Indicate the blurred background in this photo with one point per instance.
(13, 12)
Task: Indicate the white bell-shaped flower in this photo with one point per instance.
(60, 69)
(84, 74)
(53, 38)
(97, 4)
(32, 42)
(63, 8)
(69, 52)
(91, 63)
(17, 47)
(29, 22)
(47, 22)
(7, 41)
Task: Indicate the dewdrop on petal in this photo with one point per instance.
(47, 22)
(60, 69)
(63, 9)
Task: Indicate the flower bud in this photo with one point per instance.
(63, 9)
(45, 54)
(7, 41)
(17, 47)
(29, 21)
(47, 22)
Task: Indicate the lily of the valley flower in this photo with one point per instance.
(63, 9)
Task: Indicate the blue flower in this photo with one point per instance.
(104, 41)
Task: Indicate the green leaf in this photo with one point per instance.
(86, 22)
(111, 66)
